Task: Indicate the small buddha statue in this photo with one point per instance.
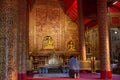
(30, 63)
(71, 46)
(54, 59)
(48, 43)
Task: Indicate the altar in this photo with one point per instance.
(54, 65)
(48, 61)
(51, 59)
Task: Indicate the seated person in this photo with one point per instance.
(48, 43)
(74, 68)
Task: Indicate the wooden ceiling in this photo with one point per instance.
(89, 9)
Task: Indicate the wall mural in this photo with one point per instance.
(91, 36)
(92, 43)
(46, 20)
(47, 23)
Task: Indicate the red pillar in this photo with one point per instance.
(104, 39)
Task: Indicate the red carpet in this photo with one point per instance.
(87, 76)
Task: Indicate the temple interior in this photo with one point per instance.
(45, 33)
(53, 28)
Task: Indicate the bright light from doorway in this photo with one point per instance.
(116, 32)
(115, 2)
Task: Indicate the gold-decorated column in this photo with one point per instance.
(103, 39)
(22, 39)
(8, 39)
(81, 30)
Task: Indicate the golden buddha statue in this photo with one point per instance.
(30, 63)
(48, 43)
(71, 46)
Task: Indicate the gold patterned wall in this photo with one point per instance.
(92, 41)
(47, 18)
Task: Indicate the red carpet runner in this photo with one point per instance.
(87, 76)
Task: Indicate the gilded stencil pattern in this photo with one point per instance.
(51, 21)
(2, 42)
(103, 35)
(47, 22)
(2, 58)
(22, 39)
(8, 16)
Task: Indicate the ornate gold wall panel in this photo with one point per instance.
(49, 19)
(92, 41)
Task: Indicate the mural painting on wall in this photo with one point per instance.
(47, 16)
(92, 41)
(53, 22)
(47, 22)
